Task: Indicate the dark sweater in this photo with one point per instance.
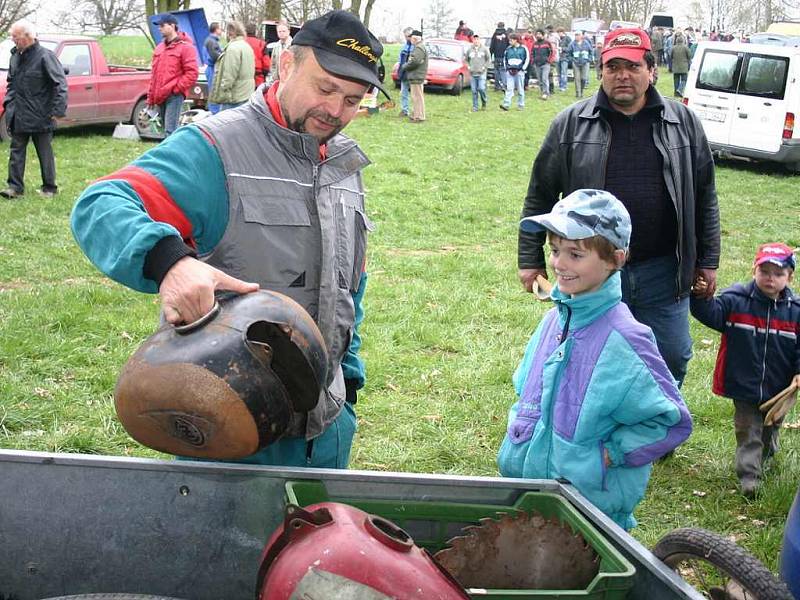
(635, 175)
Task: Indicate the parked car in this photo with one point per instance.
(447, 67)
(98, 92)
(747, 97)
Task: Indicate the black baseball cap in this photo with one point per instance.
(168, 19)
(343, 46)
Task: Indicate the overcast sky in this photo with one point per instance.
(388, 16)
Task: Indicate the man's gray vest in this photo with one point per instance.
(296, 226)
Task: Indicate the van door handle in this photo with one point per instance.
(742, 115)
(88, 87)
(767, 103)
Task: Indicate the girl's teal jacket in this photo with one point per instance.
(592, 383)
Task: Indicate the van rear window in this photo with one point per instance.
(719, 71)
(765, 76)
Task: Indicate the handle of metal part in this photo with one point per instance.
(188, 327)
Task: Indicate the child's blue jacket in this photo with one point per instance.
(592, 380)
(760, 348)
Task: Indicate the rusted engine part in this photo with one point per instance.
(334, 551)
(520, 551)
(225, 386)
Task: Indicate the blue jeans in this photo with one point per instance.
(499, 73)
(543, 75)
(405, 90)
(478, 86)
(172, 112)
(212, 108)
(515, 81)
(649, 288)
(563, 65)
(679, 80)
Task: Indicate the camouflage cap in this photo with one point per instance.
(584, 214)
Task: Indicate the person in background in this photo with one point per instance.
(463, 33)
(212, 50)
(653, 155)
(681, 60)
(580, 52)
(416, 71)
(552, 37)
(36, 94)
(173, 72)
(233, 83)
(497, 48)
(759, 354)
(563, 58)
(478, 59)
(516, 63)
(669, 39)
(405, 89)
(543, 56)
(527, 40)
(215, 206)
(657, 42)
(597, 405)
(260, 55)
(284, 42)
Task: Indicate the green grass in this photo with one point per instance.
(446, 318)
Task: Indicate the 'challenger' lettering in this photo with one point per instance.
(357, 47)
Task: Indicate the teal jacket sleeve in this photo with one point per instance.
(352, 364)
(652, 416)
(176, 189)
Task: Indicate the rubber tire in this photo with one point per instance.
(4, 135)
(112, 597)
(457, 86)
(140, 123)
(793, 168)
(726, 556)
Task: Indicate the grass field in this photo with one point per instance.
(446, 318)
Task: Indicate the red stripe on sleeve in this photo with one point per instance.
(156, 199)
(718, 384)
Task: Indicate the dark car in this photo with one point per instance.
(447, 69)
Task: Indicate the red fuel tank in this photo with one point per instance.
(333, 551)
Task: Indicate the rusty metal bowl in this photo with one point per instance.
(226, 385)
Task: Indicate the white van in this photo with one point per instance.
(747, 97)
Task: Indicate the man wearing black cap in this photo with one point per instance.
(174, 72)
(268, 195)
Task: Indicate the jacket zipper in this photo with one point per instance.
(764, 357)
(665, 158)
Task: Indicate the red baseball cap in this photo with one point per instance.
(630, 44)
(777, 254)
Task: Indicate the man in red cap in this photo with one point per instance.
(652, 154)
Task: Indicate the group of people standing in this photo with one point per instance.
(244, 64)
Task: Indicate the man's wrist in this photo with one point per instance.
(161, 257)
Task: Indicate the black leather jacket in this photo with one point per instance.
(36, 92)
(573, 156)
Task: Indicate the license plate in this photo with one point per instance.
(712, 115)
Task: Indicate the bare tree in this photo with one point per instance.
(14, 10)
(106, 16)
(440, 18)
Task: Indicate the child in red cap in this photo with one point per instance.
(759, 355)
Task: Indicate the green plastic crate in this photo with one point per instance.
(431, 524)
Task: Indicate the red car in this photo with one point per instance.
(447, 69)
(97, 92)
